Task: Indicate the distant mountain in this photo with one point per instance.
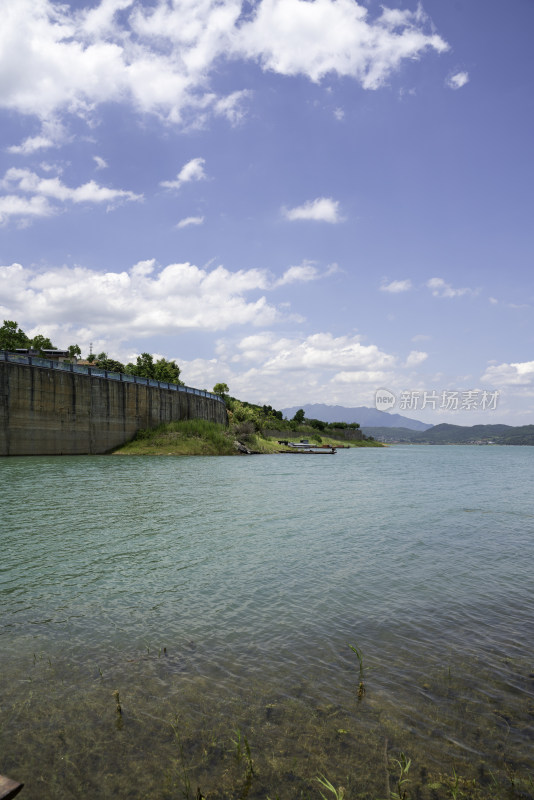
(389, 434)
(456, 434)
(459, 434)
(363, 414)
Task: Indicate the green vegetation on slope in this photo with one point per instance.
(188, 437)
(248, 430)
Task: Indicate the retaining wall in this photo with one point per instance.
(54, 412)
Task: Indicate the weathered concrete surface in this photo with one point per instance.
(51, 412)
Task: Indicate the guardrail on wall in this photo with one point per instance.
(81, 369)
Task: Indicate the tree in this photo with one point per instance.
(163, 370)
(299, 416)
(317, 423)
(12, 337)
(110, 365)
(41, 343)
(74, 350)
(167, 371)
(144, 366)
(221, 389)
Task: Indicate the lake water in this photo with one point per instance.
(219, 597)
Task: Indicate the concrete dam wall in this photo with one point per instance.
(53, 411)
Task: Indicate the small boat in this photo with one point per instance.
(305, 447)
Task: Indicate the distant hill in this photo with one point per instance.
(387, 434)
(456, 434)
(363, 414)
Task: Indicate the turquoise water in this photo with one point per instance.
(219, 597)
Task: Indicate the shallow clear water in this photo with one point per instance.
(219, 597)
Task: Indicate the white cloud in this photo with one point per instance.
(396, 286)
(304, 272)
(192, 171)
(113, 309)
(323, 368)
(52, 135)
(26, 182)
(100, 162)
(144, 301)
(339, 114)
(232, 106)
(324, 351)
(374, 377)
(294, 37)
(322, 209)
(99, 21)
(440, 288)
(519, 373)
(415, 358)
(24, 208)
(31, 145)
(184, 223)
(458, 80)
(158, 57)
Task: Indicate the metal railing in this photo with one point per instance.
(95, 372)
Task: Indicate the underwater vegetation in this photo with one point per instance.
(148, 724)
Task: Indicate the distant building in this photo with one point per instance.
(53, 355)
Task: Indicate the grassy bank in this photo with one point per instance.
(190, 437)
(196, 437)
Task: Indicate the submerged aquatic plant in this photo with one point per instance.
(184, 767)
(403, 764)
(361, 685)
(238, 748)
(241, 743)
(118, 707)
(339, 793)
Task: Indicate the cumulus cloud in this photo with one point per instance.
(112, 309)
(144, 301)
(322, 209)
(43, 190)
(294, 37)
(52, 134)
(458, 80)
(304, 272)
(395, 287)
(31, 145)
(327, 368)
(318, 351)
(519, 373)
(415, 358)
(184, 223)
(192, 171)
(55, 58)
(24, 208)
(440, 288)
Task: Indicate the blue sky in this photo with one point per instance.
(308, 199)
